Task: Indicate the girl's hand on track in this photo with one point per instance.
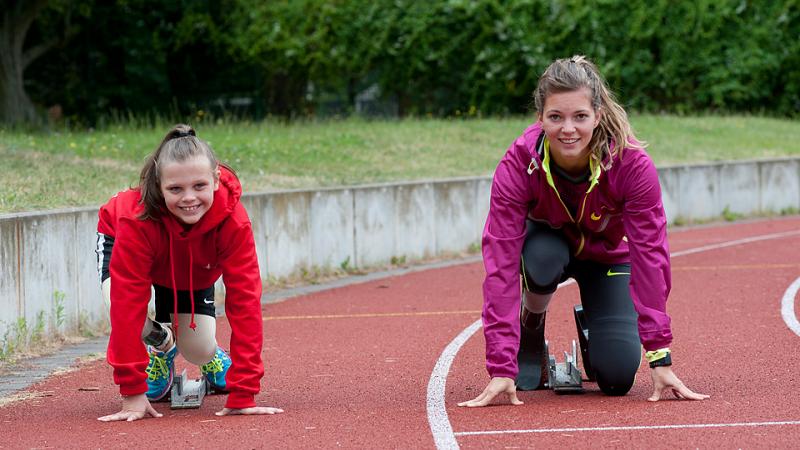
(497, 385)
(134, 407)
(664, 381)
(255, 410)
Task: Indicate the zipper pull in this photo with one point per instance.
(532, 166)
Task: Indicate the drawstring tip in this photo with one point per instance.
(192, 325)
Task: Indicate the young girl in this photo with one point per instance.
(178, 232)
(577, 196)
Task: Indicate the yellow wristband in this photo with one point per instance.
(655, 355)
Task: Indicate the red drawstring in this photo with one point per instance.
(192, 325)
(174, 287)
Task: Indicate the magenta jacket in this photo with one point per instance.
(621, 220)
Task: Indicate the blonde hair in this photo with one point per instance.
(571, 74)
(180, 144)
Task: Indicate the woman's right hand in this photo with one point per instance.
(134, 407)
(497, 385)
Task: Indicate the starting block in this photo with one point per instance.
(188, 394)
(564, 377)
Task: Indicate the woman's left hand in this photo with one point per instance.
(664, 380)
(255, 410)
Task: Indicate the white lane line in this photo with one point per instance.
(442, 430)
(763, 237)
(631, 428)
(787, 307)
(437, 412)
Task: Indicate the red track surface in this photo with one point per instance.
(351, 367)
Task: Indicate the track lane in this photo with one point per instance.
(351, 367)
(727, 304)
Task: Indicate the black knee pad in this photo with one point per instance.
(545, 255)
(537, 284)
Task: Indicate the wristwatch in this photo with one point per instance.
(659, 358)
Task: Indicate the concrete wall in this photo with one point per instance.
(48, 268)
(45, 255)
(701, 192)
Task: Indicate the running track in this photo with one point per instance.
(382, 364)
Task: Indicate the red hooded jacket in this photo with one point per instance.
(162, 252)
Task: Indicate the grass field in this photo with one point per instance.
(68, 168)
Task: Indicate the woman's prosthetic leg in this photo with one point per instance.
(544, 260)
(545, 256)
(532, 355)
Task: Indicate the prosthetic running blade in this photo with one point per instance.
(531, 359)
(188, 393)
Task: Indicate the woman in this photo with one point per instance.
(577, 196)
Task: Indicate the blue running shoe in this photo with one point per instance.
(160, 372)
(216, 369)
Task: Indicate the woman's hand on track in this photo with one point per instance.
(255, 410)
(134, 407)
(664, 381)
(497, 385)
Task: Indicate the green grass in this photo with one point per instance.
(680, 140)
(70, 168)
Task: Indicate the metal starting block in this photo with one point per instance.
(188, 393)
(564, 377)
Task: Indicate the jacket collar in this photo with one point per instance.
(544, 152)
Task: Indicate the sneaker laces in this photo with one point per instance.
(157, 368)
(213, 366)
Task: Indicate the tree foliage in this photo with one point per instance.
(443, 57)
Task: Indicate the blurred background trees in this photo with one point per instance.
(17, 18)
(88, 61)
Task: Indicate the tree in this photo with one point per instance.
(17, 17)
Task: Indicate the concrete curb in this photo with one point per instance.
(34, 370)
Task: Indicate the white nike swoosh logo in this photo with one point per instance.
(207, 302)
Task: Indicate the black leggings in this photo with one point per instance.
(614, 346)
